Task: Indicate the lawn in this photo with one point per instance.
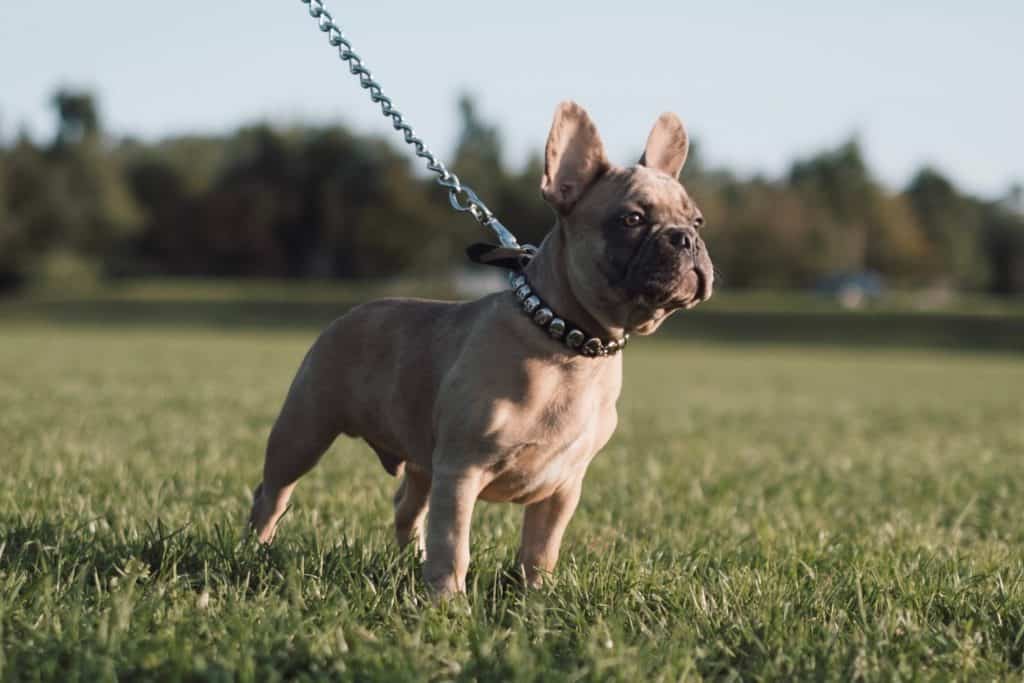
(765, 511)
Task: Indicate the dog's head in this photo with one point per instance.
(633, 248)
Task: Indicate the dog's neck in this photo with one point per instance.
(548, 273)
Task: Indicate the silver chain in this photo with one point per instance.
(461, 197)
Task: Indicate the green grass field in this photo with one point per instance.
(770, 512)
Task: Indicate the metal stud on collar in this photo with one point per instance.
(543, 316)
(557, 328)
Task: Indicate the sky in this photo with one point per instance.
(758, 84)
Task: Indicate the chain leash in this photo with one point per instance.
(460, 196)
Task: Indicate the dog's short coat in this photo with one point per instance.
(474, 401)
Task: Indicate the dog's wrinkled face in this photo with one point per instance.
(635, 254)
(652, 257)
(634, 251)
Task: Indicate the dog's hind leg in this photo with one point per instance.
(411, 509)
(300, 436)
(285, 463)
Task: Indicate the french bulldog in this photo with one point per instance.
(507, 398)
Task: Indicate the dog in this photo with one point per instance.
(507, 398)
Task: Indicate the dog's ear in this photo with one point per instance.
(667, 145)
(573, 158)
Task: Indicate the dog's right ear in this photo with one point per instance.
(573, 158)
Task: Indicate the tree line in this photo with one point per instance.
(322, 201)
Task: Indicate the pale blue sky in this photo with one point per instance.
(757, 83)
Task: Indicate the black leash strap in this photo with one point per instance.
(509, 258)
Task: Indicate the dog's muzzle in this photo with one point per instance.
(674, 269)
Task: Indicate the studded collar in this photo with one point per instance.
(558, 328)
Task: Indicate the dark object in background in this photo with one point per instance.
(851, 290)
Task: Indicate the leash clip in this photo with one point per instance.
(464, 199)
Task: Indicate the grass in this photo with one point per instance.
(764, 512)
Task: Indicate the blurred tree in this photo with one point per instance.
(520, 206)
(28, 218)
(869, 229)
(400, 225)
(68, 204)
(762, 235)
(321, 201)
(952, 224)
(1003, 229)
(513, 195)
(1014, 200)
(104, 211)
(160, 190)
(168, 180)
(838, 185)
(897, 246)
(253, 204)
(95, 214)
(77, 119)
(479, 161)
(378, 218)
(11, 233)
(478, 153)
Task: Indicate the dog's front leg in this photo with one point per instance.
(452, 496)
(544, 522)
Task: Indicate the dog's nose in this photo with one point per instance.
(684, 239)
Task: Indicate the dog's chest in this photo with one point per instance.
(552, 451)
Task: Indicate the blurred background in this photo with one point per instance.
(864, 159)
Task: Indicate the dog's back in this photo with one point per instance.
(361, 373)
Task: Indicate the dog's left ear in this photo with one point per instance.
(667, 145)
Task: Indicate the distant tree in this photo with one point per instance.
(70, 200)
(478, 154)
(479, 162)
(873, 229)
(838, 184)
(29, 220)
(519, 204)
(952, 224)
(514, 196)
(321, 201)
(1014, 200)
(377, 217)
(10, 231)
(77, 118)
(897, 246)
(168, 233)
(1003, 229)
(763, 235)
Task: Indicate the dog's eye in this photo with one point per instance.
(633, 219)
(698, 222)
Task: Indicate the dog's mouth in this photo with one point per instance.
(702, 292)
(694, 288)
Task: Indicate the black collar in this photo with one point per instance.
(559, 328)
(515, 259)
